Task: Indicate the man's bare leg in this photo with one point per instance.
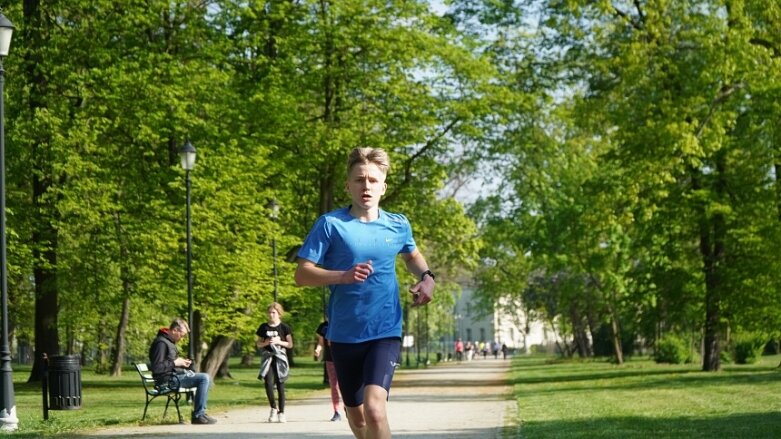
(356, 420)
(375, 412)
(370, 420)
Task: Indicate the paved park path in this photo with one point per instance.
(454, 400)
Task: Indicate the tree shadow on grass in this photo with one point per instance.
(742, 425)
(670, 378)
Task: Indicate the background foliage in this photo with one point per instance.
(629, 153)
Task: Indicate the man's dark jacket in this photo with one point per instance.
(162, 355)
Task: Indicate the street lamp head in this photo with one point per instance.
(6, 30)
(274, 209)
(187, 154)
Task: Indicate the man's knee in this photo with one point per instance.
(203, 379)
(355, 416)
(374, 405)
(374, 413)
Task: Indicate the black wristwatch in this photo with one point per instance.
(427, 272)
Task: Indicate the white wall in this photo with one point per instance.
(497, 326)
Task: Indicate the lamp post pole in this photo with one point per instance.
(8, 419)
(274, 217)
(187, 155)
(189, 265)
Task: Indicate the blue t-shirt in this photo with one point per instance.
(371, 309)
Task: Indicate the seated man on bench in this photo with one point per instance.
(167, 365)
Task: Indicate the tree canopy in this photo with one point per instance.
(630, 152)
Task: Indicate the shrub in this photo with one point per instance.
(672, 349)
(748, 348)
(725, 356)
(772, 348)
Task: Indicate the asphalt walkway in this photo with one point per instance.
(453, 400)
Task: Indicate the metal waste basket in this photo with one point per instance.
(64, 382)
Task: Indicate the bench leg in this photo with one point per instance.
(145, 407)
(176, 403)
(168, 401)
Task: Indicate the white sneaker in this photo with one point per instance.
(272, 415)
(281, 418)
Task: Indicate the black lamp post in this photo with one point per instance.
(274, 217)
(187, 154)
(8, 419)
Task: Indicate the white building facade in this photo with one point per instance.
(512, 329)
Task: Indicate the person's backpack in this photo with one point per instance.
(167, 383)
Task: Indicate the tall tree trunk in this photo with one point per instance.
(219, 351)
(616, 336)
(70, 339)
(777, 168)
(44, 235)
(615, 327)
(712, 235)
(579, 332)
(118, 354)
(46, 307)
(101, 364)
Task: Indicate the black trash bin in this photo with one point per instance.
(64, 382)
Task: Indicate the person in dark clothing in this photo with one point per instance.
(274, 338)
(168, 366)
(324, 348)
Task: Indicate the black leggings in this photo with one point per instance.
(270, 379)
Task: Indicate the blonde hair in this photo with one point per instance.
(363, 156)
(277, 307)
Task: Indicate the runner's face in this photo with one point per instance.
(366, 185)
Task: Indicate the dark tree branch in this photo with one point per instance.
(766, 44)
(407, 166)
(639, 8)
(724, 94)
(628, 18)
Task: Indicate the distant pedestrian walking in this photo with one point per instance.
(459, 347)
(273, 338)
(324, 348)
(469, 349)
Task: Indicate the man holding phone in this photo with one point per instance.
(167, 366)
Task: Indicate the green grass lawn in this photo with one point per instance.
(120, 400)
(597, 399)
(556, 399)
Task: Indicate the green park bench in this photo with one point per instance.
(173, 393)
